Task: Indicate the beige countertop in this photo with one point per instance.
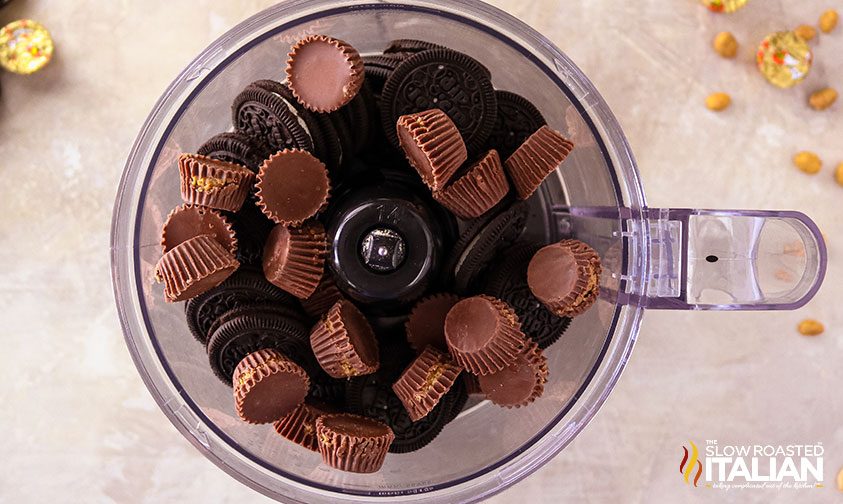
(78, 424)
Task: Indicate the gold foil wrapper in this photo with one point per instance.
(727, 6)
(25, 46)
(784, 59)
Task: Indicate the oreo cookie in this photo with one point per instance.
(333, 149)
(286, 310)
(243, 288)
(325, 389)
(236, 148)
(517, 119)
(252, 228)
(372, 396)
(507, 281)
(378, 69)
(253, 330)
(410, 46)
(481, 241)
(459, 393)
(448, 80)
(269, 118)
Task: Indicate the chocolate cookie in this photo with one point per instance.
(378, 69)
(251, 228)
(253, 331)
(447, 80)
(410, 46)
(334, 155)
(507, 280)
(459, 394)
(268, 117)
(480, 242)
(326, 389)
(517, 119)
(236, 148)
(243, 288)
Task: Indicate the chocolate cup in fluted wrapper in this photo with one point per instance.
(344, 342)
(323, 298)
(520, 383)
(194, 267)
(324, 73)
(292, 187)
(425, 381)
(483, 334)
(565, 277)
(426, 323)
(268, 386)
(294, 258)
(213, 183)
(188, 221)
(353, 443)
(482, 187)
(537, 158)
(299, 426)
(433, 146)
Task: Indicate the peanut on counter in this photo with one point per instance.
(725, 45)
(810, 327)
(838, 174)
(718, 101)
(806, 32)
(828, 20)
(822, 99)
(808, 162)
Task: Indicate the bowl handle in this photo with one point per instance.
(733, 259)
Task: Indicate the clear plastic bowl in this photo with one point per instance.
(658, 258)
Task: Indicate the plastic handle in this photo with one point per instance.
(733, 259)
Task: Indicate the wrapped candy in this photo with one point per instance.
(784, 59)
(724, 5)
(25, 46)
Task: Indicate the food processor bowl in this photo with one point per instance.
(657, 258)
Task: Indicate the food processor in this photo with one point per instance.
(652, 258)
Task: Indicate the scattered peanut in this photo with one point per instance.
(806, 32)
(808, 162)
(822, 99)
(840, 480)
(810, 327)
(718, 101)
(725, 45)
(828, 20)
(838, 174)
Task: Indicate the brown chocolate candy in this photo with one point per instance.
(299, 426)
(293, 186)
(483, 334)
(482, 187)
(433, 146)
(565, 277)
(353, 443)
(188, 221)
(520, 383)
(324, 73)
(425, 381)
(294, 258)
(426, 324)
(213, 183)
(537, 158)
(344, 342)
(268, 386)
(323, 298)
(193, 267)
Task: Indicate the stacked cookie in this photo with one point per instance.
(248, 249)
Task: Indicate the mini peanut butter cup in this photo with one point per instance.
(537, 158)
(426, 324)
(353, 443)
(520, 383)
(323, 298)
(433, 146)
(299, 426)
(482, 187)
(292, 187)
(193, 267)
(268, 386)
(213, 183)
(344, 342)
(324, 73)
(188, 221)
(425, 381)
(483, 334)
(565, 277)
(294, 258)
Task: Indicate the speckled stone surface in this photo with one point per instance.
(77, 422)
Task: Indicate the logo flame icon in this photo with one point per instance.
(689, 462)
